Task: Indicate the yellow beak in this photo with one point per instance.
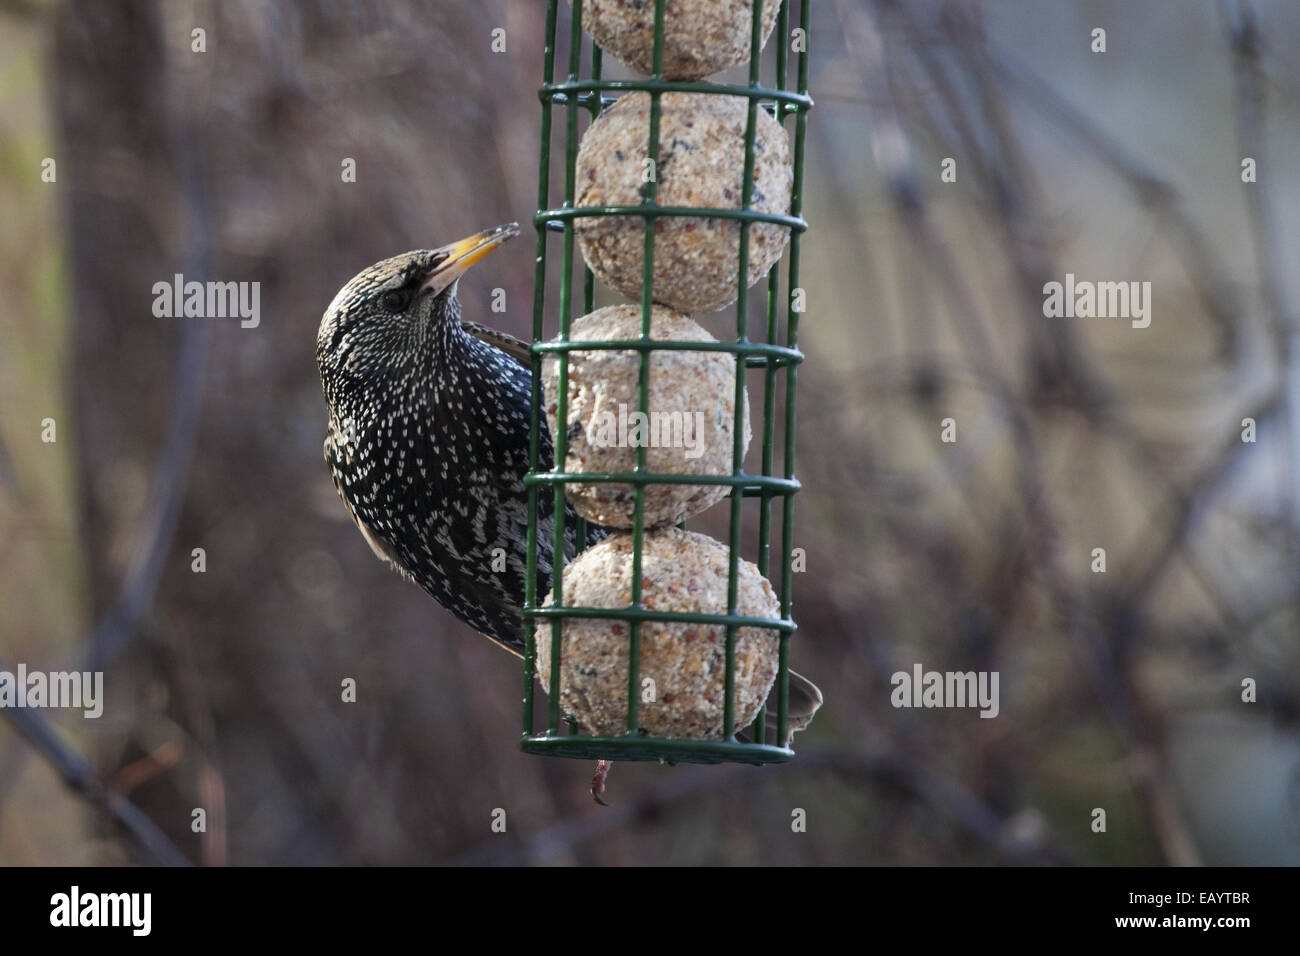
(453, 260)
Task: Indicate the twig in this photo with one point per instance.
(76, 772)
(1245, 37)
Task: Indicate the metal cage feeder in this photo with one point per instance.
(560, 735)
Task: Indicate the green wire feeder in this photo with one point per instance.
(574, 93)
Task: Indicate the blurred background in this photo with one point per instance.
(1120, 690)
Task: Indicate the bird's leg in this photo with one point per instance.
(598, 781)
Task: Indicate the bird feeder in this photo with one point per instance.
(772, 349)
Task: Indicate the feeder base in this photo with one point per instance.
(626, 749)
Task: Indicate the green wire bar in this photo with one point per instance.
(560, 735)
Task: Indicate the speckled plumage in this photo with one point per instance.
(428, 435)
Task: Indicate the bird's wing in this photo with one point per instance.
(382, 550)
(515, 348)
(386, 553)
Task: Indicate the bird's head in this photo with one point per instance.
(391, 314)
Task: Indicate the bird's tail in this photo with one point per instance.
(804, 700)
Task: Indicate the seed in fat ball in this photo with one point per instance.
(701, 37)
(682, 672)
(701, 165)
(688, 427)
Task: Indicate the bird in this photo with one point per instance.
(428, 438)
(428, 435)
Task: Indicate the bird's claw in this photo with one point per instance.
(598, 780)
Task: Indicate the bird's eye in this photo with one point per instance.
(393, 301)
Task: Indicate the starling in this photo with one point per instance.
(428, 435)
